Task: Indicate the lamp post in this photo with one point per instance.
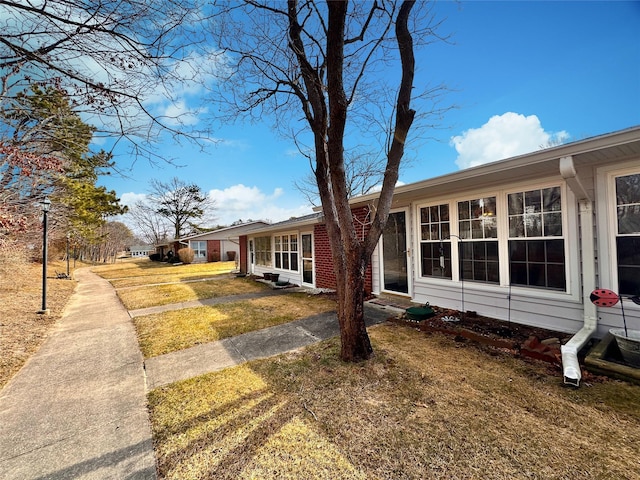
(68, 238)
(46, 205)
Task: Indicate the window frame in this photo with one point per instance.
(262, 251)
(473, 244)
(286, 251)
(444, 243)
(617, 235)
(531, 239)
(198, 251)
(569, 228)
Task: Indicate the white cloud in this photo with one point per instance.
(130, 198)
(242, 202)
(178, 113)
(503, 136)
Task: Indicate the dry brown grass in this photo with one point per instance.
(179, 329)
(145, 272)
(424, 407)
(164, 294)
(22, 330)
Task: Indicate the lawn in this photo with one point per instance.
(424, 407)
(163, 294)
(22, 330)
(179, 329)
(146, 272)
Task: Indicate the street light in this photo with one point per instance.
(46, 205)
(68, 238)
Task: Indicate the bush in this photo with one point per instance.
(231, 255)
(155, 257)
(186, 255)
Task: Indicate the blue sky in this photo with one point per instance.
(521, 74)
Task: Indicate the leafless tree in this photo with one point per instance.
(152, 227)
(182, 204)
(118, 61)
(364, 172)
(327, 61)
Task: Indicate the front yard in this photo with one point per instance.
(425, 406)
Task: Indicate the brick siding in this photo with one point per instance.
(325, 276)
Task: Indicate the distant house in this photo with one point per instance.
(138, 251)
(219, 245)
(526, 239)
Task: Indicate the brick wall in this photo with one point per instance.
(213, 251)
(244, 254)
(325, 276)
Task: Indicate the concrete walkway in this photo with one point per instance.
(213, 356)
(77, 409)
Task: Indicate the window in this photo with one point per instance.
(199, 249)
(478, 231)
(628, 233)
(286, 252)
(536, 245)
(435, 243)
(263, 251)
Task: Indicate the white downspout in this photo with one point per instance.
(570, 364)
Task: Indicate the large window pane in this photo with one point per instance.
(629, 265)
(479, 261)
(537, 263)
(431, 254)
(628, 219)
(628, 189)
(435, 232)
(628, 241)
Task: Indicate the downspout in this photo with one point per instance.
(570, 364)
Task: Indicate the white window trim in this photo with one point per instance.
(298, 251)
(569, 226)
(607, 221)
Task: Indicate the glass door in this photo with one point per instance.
(307, 258)
(394, 254)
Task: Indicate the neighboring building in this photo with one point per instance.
(524, 239)
(138, 251)
(221, 244)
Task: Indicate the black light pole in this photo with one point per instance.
(46, 204)
(68, 237)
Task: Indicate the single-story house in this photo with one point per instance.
(137, 251)
(222, 244)
(526, 239)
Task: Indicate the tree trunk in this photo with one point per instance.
(326, 111)
(355, 343)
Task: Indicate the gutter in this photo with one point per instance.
(570, 365)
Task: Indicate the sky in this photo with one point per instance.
(521, 75)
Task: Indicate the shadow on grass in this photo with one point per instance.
(254, 428)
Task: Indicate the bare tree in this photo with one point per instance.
(364, 172)
(327, 61)
(152, 227)
(116, 60)
(181, 204)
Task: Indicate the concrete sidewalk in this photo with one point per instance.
(213, 356)
(77, 409)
